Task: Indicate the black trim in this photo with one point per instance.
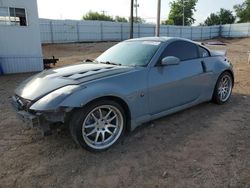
(209, 54)
(204, 67)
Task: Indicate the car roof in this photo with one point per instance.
(166, 39)
(159, 39)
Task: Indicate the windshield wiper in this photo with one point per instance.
(111, 63)
(89, 60)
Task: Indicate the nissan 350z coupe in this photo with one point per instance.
(131, 83)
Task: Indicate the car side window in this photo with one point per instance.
(184, 50)
(203, 52)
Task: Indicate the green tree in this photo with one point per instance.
(175, 16)
(168, 22)
(120, 19)
(97, 16)
(243, 11)
(222, 17)
(139, 20)
(213, 19)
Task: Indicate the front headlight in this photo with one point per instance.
(51, 100)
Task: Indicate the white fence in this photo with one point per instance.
(63, 31)
(236, 30)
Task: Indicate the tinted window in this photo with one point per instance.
(203, 52)
(181, 49)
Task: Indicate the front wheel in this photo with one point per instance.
(99, 125)
(223, 88)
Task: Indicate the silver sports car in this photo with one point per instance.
(131, 83)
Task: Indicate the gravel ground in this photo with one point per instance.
(205, 146)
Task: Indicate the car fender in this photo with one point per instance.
(89, 93)
(221, 66)
(80, 97)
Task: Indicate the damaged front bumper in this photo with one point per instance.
(28, 118)
(43, 120)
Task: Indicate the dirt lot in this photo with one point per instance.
(205, 146)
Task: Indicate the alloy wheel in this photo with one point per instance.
(102, 126)
(225, 88)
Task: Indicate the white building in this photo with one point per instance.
(20, 45)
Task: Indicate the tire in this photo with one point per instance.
(98, 125)
(223, 88)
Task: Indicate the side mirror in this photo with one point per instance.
(170, 60)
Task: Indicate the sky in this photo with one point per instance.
(75, 9)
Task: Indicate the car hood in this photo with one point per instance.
(43, 83)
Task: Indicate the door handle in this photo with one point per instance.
(204, 68)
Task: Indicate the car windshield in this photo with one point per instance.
(130, 53)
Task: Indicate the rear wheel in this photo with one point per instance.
(223, 88)
(99, 125)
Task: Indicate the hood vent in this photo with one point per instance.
(83, 72)
(86, 73)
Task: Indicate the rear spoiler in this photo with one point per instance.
(218, 52)
(213, 52)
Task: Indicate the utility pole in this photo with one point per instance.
(136, 5)
(131, 19)
(157, 29)
(183, 13)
